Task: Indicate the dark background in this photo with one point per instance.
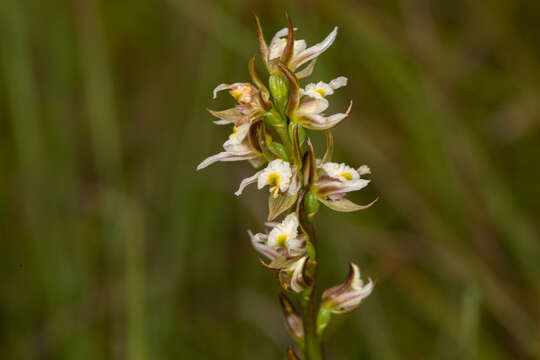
(113, 247)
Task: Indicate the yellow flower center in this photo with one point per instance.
(281, 240)
(234, 132)
(321, 91)
(274, 179)
(346, 175)
(237, 94)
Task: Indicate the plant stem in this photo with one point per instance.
(314, 346)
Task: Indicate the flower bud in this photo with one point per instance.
(346, 297)
(273, 118)
(280, 91)
(279, 150)
(294, 277)
(293, 320)
(323, 319)
(311, 204)
(291, 354)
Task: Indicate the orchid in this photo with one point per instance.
(236, 148)
(347, 296)
(278, 175)
(293, 53)
(270, 122)
(249, 104)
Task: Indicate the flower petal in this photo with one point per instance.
(312, 105)
(226, 156)
(228, 116)
(246, 182)
(345, 205)
(314, 51)
(308, 70)
(224, 86)
(319, 122)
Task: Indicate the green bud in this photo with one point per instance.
(279, 88)
(279, 150)
(301, 132)
(311, 204)
(273, 118)
(323, 318)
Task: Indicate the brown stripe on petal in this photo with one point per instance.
(287, 53)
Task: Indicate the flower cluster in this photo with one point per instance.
(269, 124)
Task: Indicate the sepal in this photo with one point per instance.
(291, 354)
(279, 150)
(288, 52)
(346, 297)
(280, 204)
(294, 90)
(263, 47)
(327, 157)
(345, 205)
(294, 277)
(293, 320)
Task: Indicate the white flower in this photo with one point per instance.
(278, 174)
(285, 236)
(283, 244)
(249, 106)
(314, 103)
(236, 148)
(346, 297)
(301, 53)
(338, 179)
(322, 89)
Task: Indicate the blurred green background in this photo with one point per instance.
(113, 247)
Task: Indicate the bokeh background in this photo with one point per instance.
(113, 247)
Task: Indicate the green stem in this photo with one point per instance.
(313, 343)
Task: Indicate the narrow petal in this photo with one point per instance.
(338, 82)
(307, 71)
(263, 48)
(226, 156)
(314, 51)
(224, 86)
(319, 122)
(259, 244)
(228, 116)
(313, 105)
(246, 182)
(345, 205)
(298, 283)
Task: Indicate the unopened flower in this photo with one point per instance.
(249, 104)
(346, 297)
(236, 148)
(293, 320)
(283, 245)
(294, 276)
(279, 175)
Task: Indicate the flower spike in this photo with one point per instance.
(346, 297)
(269, 122)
